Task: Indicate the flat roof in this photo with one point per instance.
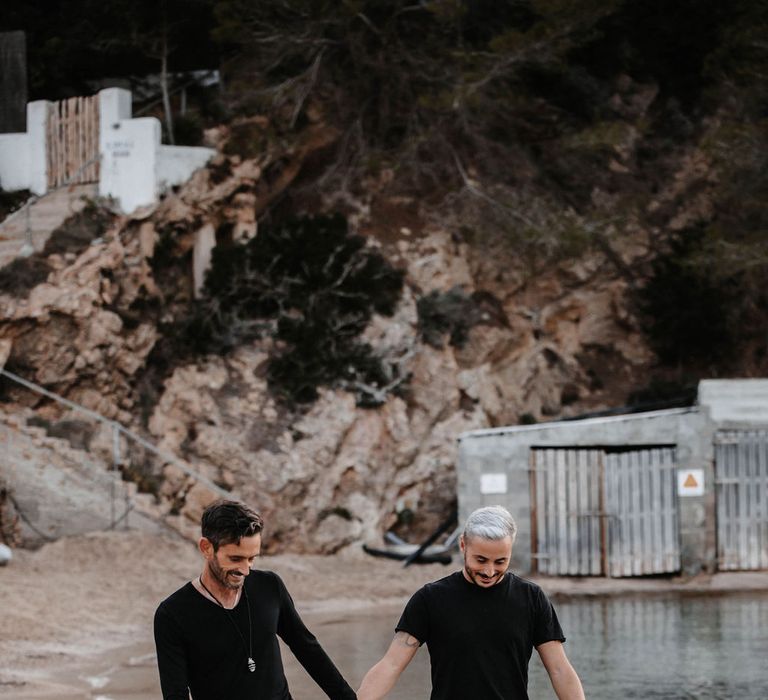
(602, 420)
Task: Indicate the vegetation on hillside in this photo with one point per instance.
(310, 286)
(543, 127)
(73, 42)
(706, 301)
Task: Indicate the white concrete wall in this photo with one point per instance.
(114, 106)
(23, 162)
(37, 120)
(128, 151)
(176, 163)
(739, 400)
(129, 156)
(14, 162)
(134, 169)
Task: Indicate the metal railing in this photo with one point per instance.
(118, 433)
(54, 491)
(28, 247)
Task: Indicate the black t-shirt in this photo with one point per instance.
(480, 639)
(199, 651)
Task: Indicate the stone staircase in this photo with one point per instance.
(60, 491)
(42, 217)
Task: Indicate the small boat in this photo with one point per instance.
(425, 553)
(436, 554)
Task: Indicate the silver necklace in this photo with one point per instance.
(251, 662)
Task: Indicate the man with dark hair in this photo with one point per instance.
(480, 626)
(216, 637)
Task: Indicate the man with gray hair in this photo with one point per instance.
(480, 626)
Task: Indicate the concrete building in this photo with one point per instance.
(662, 492)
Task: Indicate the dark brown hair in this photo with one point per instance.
(226, 522)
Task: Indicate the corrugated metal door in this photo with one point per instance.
(568, 511)
(605, 512)
(741, 478)
(641, 496)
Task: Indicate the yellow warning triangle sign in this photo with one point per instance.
(690, 482)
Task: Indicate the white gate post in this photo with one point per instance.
(37, 127)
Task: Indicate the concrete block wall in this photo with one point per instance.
(507, 451)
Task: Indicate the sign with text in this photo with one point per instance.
(493, 483)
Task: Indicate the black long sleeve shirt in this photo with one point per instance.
(202, 648)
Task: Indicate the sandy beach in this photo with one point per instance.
(79, 604)
(70, 604)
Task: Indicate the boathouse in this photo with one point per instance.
(664, 492)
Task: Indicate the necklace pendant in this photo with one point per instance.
(251, 665)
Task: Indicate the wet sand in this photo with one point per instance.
(355, 642)
(76, 615)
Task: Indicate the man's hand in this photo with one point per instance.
(383, 676)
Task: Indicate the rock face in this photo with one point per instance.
(331, 476)
(67, 335)
(554, 344)
(48, 489)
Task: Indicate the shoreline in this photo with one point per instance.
(79, 610)
(720, 583)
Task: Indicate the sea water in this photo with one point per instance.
(671, 647)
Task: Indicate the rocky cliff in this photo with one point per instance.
(481, 335)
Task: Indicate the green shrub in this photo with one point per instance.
(11, 201)
(311, 286)
(665, 393)
(187, 129)
(21, 275)
(79, 231)
(691, 310)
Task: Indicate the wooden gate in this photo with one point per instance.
(605, 511)
(741, 480)
(72, 135)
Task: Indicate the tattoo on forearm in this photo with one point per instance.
(406, 639)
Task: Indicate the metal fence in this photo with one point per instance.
(83, 472)
(57, 491)
(741, 479)
(605, 512)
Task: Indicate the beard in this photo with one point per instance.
(218, 573)
(475, 577)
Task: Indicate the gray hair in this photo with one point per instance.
(490, 523)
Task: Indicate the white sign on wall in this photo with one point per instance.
(690, 482)
(493, 483)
